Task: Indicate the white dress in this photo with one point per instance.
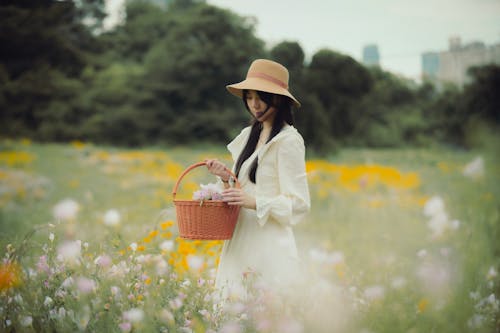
(263, 243)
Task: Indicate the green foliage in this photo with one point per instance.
(159, 76)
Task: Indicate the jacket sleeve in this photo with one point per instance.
(292, 203)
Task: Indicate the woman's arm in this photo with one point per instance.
(293, 201)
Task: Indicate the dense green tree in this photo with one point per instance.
(339, 82)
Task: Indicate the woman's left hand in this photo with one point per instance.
(236, 196)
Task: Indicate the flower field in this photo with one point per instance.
(396, 241)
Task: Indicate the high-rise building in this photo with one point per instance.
(371, 56)
(451, 66)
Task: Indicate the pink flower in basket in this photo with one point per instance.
(208, 192)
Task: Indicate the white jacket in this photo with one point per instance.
(281, 192)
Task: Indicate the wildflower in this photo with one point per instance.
(166, 224)
(398, 282)
(26, 321)
(69, 251)
(125, 327)
(422, 305)
(195, 262)
(434, 206)
(474, 169)
(48, 301)
(176, 303)
(51, 237)
(85, 285)
(112, 218)
(476, 321)
(374, 293)
(133, 315)
(208, 192)
(492, 273)
(434, 276)
(231, 327)
(67, 283)
(422, 253)
(166, 316)
(103, 261)
(66, 210)
(167, 245)
(10, 275)
(133, 246)
(42, 265)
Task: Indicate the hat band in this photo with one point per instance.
(268, 78)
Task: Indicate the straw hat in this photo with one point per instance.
(264, 75)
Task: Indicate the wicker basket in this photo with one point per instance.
(212, 220)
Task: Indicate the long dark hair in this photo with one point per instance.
(284, 115)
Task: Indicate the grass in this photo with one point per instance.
(396, 274)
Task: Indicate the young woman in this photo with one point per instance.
(269, 161)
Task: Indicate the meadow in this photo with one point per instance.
(399, 240)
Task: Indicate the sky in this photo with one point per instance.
(402, 29)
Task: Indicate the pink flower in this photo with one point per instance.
(42, 265)
(85, 285)
(125, 327)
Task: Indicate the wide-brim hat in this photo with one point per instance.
(264, 75)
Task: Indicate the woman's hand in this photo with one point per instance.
(217, 168)
(236, 196)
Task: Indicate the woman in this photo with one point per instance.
(269, 161)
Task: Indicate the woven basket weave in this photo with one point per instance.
(212, 220)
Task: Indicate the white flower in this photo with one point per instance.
(51, 237)
(112, 218)
(69, 251)
(435, 276)
(194, 262)
(133, 246)
(438, 224)
(167, 316)
(48, 301)
(26, 321)
(474, 169)
(455, 224)
(373, 293)
(492, 273)
(422, 253)
(398, 282)
(476, 321)
(66, 210)
(133, 315)
(67, 283)
(167, 245)
(434, 206)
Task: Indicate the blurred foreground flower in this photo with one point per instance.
(66, 210)
(112, 218)
(475, 168)
(69, 251)
(10, 275)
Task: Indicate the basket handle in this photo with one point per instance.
(174, 191)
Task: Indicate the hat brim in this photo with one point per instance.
(254, 83)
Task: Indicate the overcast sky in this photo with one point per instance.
(402, 29)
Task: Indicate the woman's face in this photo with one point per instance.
(259, 108)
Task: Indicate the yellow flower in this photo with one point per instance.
(166, 224)
(10, 275)
(422, 305)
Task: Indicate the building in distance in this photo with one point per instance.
(371, 56)
(451, 66)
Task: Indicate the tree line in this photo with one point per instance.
(160, 76)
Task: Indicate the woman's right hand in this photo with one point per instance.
(217, 168)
